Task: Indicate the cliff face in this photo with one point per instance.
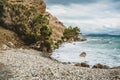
(38, 4)
(23, 11)
(56, 26)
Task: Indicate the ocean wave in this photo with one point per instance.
(105, 51)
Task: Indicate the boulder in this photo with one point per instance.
(83, 39)
(101, 66)
(83, 54)
(78, 64)
(83, 64)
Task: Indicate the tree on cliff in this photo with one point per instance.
(45, 41)
(71, 33)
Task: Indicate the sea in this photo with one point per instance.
(103, 49)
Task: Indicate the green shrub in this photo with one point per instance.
(27, 13)
(20, 29)
(32, 9)
(45, 32)
(2, 4)
(46, 46)
(39, 19)
(71, 33)
(30, 38)
(46, 42)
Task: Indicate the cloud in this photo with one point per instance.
(95, 17)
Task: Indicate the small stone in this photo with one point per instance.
(5, 47)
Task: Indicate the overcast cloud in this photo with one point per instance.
(92, 16)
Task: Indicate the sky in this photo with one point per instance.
(92, 16)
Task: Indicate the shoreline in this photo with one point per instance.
(29, 64)
(101, 55)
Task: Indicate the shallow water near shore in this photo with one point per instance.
(99, 49)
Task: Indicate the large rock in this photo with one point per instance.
(78, 64)
(101, 66)
(83, 54)
(83, 64)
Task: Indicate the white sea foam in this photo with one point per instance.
(98, 51)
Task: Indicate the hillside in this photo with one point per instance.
(27, 17)
(9, 39)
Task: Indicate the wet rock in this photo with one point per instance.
(83, 39)
(83, 64)
(101, 66)
(83, 54)
(106, 67)
(78, 64)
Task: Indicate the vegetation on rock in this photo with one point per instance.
(45, 41)
(2, 3)
(33, 26)
(71, 34)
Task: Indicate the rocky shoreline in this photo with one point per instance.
(28, 64)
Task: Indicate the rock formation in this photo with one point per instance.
(83, 54)
(101, 66)
(36, 7)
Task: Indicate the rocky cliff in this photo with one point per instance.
(26, 18)
(23, 11)
(56, 26)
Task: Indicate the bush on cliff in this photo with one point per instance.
(71, 33)
(45, 41)
(2, 3)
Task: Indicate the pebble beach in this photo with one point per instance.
(28, 64)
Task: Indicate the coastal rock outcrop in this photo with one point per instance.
(100, 66)
(83, 64)
(56, 26)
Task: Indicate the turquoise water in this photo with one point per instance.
(99, 49)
